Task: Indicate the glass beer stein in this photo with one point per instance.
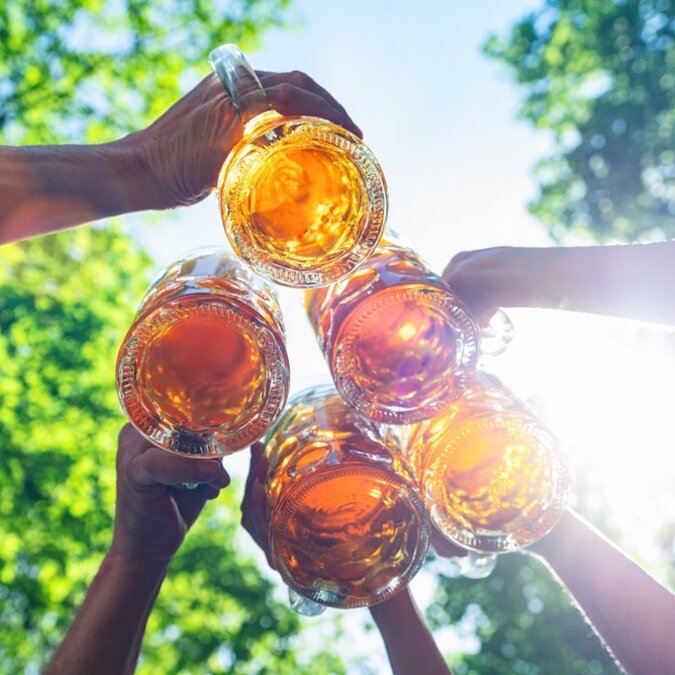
(203, 369)
(494, 477)
(395, 336)
(347, 527)
(303, 201)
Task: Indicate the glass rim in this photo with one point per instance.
(524, 534)
(289, 504)
(295, 275)
(342, 353)
(216, 442)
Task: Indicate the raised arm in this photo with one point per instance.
(410, 645)
(632, 281)
(632, 613)
(409, 642)
(174, 162)
(151, 520)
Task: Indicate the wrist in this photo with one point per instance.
(128, 163)
(394, 607)
(116, 562)
(536, 276)
(559, 541)
(528, 277)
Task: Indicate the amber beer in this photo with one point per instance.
(347, 526)
(494, 477)
(303, 201)
(203, 369)
(395, 337)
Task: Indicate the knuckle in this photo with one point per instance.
(300, 78)
(459, 257)
(284, 91)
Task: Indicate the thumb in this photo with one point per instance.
(159, 467)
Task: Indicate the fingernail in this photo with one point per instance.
(221, 480)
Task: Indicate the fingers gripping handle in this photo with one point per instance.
(240, 81)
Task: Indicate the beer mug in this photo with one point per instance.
(347, 527)
(303, 201)
(396, 338)
(203, 370)
(492, 475)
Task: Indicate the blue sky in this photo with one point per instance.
(438, 115)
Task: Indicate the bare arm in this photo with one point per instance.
(410, 645)
(151, 520)
(174, 162)
(103, 635)
(48, 188)
(634, 281)
(631, 612)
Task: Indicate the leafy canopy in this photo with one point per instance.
(65, 303)
(525, 622)
(89, 70)
(600, 75)
(86, 70)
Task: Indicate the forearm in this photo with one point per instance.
(410, 645)
(48, 188)
(632, 281)
(107, 631)
(630, 610)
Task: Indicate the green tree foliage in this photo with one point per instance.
(89, 70)
(600, 74)
(65, 304)
(524, 620)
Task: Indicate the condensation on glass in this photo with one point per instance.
(494, 478)
(203, 370)
(347, 527)
(303, 201)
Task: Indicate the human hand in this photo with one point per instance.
(184, 150)
(254, 515)
(444, 547)
(507, 276)
(482, 279)
(152, 515)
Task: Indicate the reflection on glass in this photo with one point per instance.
(395, 337)
(495, 478)
(203, 369)
(303, 201)
(347, 527)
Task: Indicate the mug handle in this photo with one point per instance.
(304, 606)
(240, 81)
(496, 336)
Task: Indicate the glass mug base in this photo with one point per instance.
(227, 418)
(374, 511)
(303, 201)
(500, 484)
(347, 527)
(203, 370)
